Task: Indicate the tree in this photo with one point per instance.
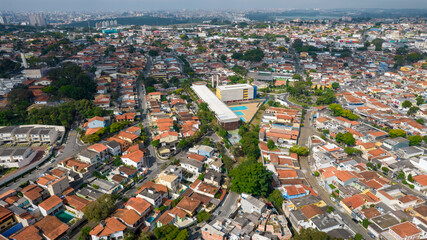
(410, 178)
(203, 216)
(335, 85)
(170, 232)
(203, 106)
(252, 178)
(228, 163)
(182, 144)
(117, 161)
(201, 177)
(311, 234)
(412, 110)
(100, 209)
(270, 144)
(349, 139)
(394, 133)
(155, 143)
(420, 121)
(276, 198)
(358, 236)
(415, 140)
(413, 57)
(299, 150)
(365, 223)
(401, 175)
(153, 53)
(352, 151)
(406, 104)
(84, 232)
(330, 209)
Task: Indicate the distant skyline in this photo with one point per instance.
(141, 5)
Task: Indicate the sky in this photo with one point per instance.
(138, 5)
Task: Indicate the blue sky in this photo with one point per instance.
(91, 5)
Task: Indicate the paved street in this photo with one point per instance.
(306, 132)
(224, 210)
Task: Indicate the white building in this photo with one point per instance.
(233, 93)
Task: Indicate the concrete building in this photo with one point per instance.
(37, 20)
(228, 119)
(251, 204)
(235, 93)
(16, 157)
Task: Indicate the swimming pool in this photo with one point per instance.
(243, 119)
(238, 108)
(238, 113)
(64, 216)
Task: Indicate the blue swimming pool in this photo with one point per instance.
(238, 108)
(64, 216)
(238, 113)
(243, 119)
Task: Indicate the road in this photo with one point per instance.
(224, 210)
(306, 132)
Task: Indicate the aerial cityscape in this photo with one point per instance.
(231, 120)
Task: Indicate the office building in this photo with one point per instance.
(235, 93)
(37, 20)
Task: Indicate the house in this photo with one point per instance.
(405, 231)
(129, 217)
(152, 196)
(7, 218)
(420, 182)
(111, 228)
(101, 149)
(135, 159)
(96, 122)
(58, 186)
(16, 157)
(213, 178)
(192, 166)
(211, 233)
(35, 194)
(76, 204)
(250, 204)
(141, 206)
(49, 227)
(114, 148)
(409, 152)
(51, 206)
(202, 150)
(395, 144)
(189, 205)
(89, 156)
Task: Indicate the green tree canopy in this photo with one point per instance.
(100, 209)
(252, 178)
(415, 140)
(406, 104)
(397, 133)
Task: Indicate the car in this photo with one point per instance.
(52, 160)
(47, 170)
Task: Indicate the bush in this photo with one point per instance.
(203, 216)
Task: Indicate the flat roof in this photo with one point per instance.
(221, 110)
(234, 86)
